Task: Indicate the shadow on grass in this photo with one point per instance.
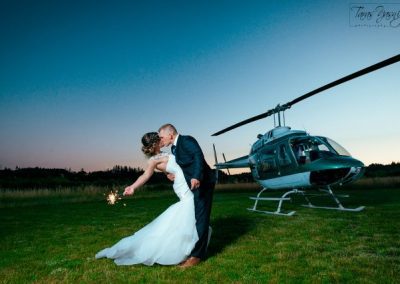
(356, 197)
(226, 230)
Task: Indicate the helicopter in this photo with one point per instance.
(295, 161)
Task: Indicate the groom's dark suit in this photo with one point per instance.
(190, 158)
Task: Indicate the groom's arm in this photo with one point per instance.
(192, 147)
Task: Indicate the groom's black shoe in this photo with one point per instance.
(191, 261)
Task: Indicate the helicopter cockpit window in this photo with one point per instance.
(339, 149)
(310, 149)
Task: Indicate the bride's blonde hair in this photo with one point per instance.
(150, 143)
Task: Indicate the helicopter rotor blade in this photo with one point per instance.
(260, 116)
(279, 108)
(360, 73)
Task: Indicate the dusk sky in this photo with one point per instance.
(82, 81)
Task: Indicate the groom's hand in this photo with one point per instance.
(171, 177)
(195, 183)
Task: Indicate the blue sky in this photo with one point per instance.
(82, 81)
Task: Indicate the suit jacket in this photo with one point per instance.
(190, 158)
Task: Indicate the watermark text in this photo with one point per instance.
(375, 15)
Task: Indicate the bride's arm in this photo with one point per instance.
(151, 165)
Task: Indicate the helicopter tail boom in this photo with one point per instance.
(242, 162)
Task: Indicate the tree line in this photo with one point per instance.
(52, 178)
(123, 175)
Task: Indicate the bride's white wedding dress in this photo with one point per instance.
(169, 238)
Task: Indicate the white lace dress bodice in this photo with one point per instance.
(180, 186)
(169, 238)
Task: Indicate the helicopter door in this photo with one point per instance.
(284, 161)
(266, 166)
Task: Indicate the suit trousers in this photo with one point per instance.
(202, 203)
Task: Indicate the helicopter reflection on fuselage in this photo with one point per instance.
(284, 158)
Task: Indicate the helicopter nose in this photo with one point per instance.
(353, 174)
(336, 176)
(338, 171)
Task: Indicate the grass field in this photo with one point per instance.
(51, 240)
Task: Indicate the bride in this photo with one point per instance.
(169, 238)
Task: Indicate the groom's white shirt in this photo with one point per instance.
(176, 140)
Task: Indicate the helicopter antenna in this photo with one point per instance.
(288, 105)
(223, 155)
(274, 121)
(216, 162)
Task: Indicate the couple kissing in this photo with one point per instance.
(180, 235)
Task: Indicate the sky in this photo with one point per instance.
(82, 81)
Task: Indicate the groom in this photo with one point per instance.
(200, 179)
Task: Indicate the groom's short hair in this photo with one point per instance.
(168, 127)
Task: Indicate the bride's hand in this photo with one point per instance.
(129, 191)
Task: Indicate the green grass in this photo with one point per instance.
(56, 241)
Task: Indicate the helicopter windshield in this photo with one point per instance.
(308, 149)
(338, 148)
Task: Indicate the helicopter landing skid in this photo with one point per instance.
(291, 213)
(329, 192)
(358, 209)
(280, 199)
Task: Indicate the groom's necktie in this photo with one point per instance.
(173, 149)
